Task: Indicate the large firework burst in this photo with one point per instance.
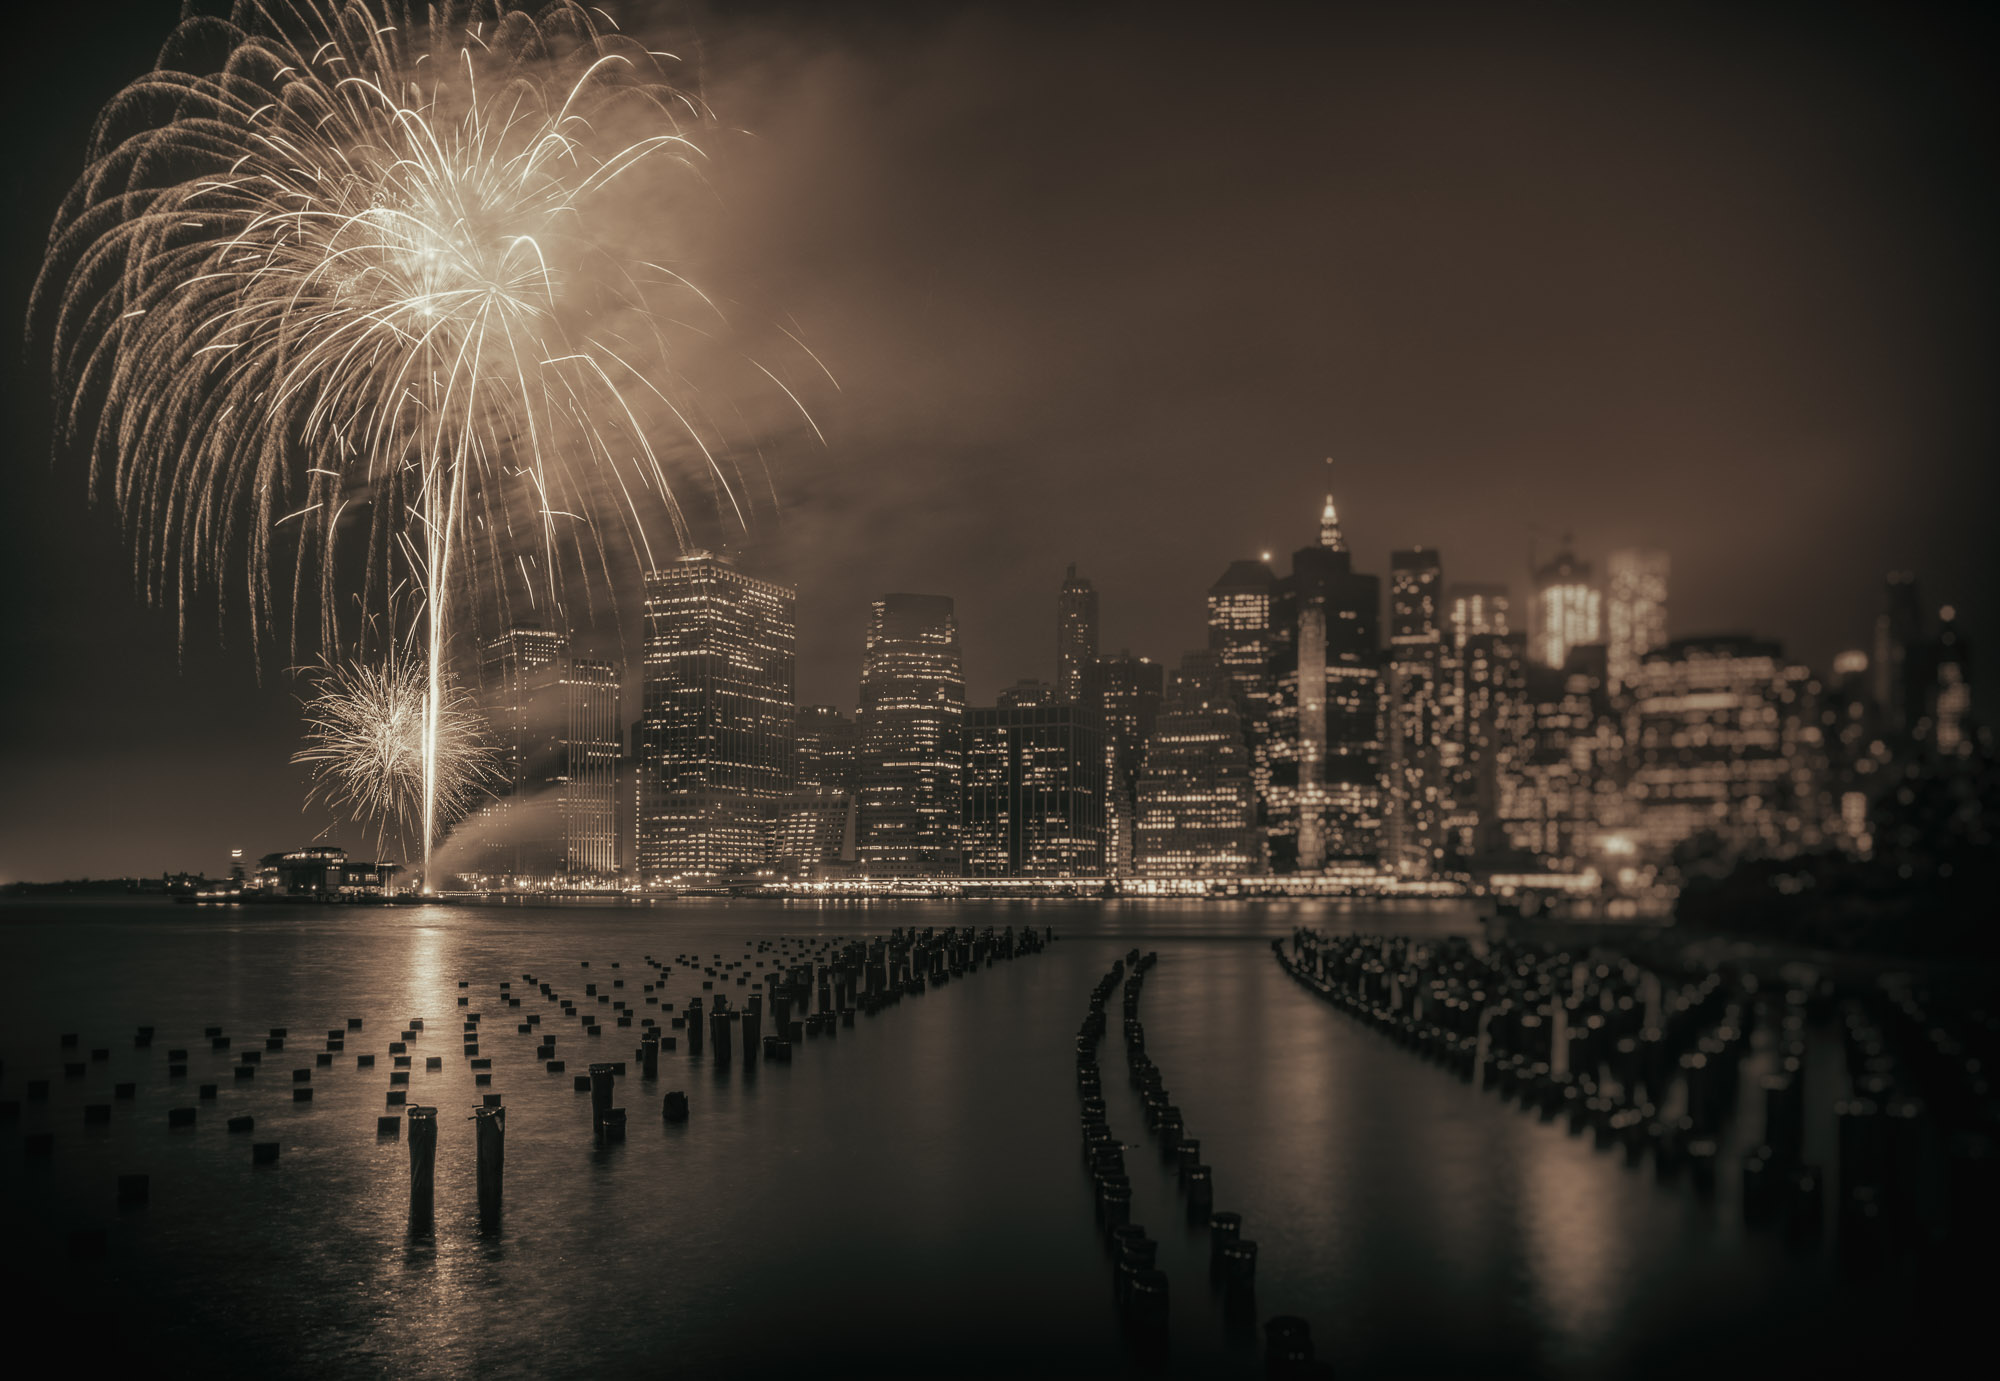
(357, 275)
(365, 732)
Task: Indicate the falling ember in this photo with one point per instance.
(361, 269)
(382, 748)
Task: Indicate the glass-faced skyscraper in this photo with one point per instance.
(1725, 746)
(911, 760)
(1196, 804)
(1323, 802)
(1034, 791)
(825, 749)
(1567, 610)
(1125, 692)
(1076, 634)
(715, 730)
(1419, 690)
(1243, 631)
(556, 717)
(1635, 610)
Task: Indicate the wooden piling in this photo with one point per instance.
(423, 1167)
(490, 1127)
(601, 1087)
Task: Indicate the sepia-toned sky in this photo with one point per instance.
(1107, 283)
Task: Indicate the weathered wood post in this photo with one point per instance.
(423, 1167)
(490, 1128)
(601, 1076)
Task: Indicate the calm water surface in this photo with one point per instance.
(908, 1198)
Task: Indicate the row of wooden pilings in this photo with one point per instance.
(866, 976)
(1140, 1288)
(1650, 1061)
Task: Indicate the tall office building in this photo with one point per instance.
(1034, 791)
(1473, 608)
(823, 742)
(1899, 629)
(1416, 598)
(1322, 805)
(554, 816)
(1491, 675)
(1242, 630)
(1636, 609)
(592, 748)
(811, 834)
(1125, 693)
(715, 733)
(1475, 669)
(1419, 746)
(812, 831)
(1727, 751)
(1560, 782)
(1939, 676)
(1567, 610)
(910, 770)
(1076, 634)
(1030, 691)
(1196, 805)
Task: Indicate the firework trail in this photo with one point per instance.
(366, 727)
(357, 275)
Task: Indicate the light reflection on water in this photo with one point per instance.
(909, 1193)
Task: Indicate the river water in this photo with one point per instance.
(907, 1198)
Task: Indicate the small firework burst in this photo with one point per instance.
(365, 727)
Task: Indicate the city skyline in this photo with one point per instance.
(1484, 356)
(1329, 736)
(1411, 626)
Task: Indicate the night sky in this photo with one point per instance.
(1105, 284)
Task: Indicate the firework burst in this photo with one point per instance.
(365, 733)
(357, 278)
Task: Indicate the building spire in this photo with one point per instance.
(1329, 520)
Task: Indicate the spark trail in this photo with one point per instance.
(357, 274)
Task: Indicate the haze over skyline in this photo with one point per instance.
(1702, 282)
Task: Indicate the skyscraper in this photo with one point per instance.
(1727, 752)
(823, 745)
(1476, 672)
(1323, 802)
(1560, 785)
(592, 747)
(715, 734)
(1899, 629)
(1034, 791)
(1490, 717)
(1416, 598)
(1125, 693)
(1418, 796)
(1076, 634)
(1636, 609)
(1567, 609)
(1939, 676)
(520, 679)
(813, 829)
(1196, 806)
(910, 770)
(554, 816)
(1030, 691)
(1473, 608)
